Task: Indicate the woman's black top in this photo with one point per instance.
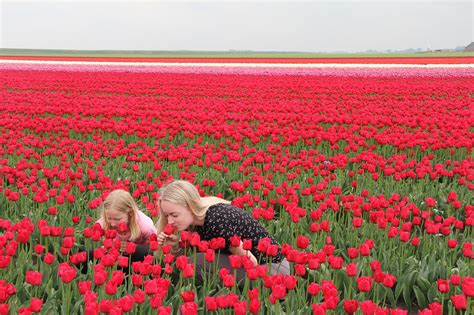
(225, 220)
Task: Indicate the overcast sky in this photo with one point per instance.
(313, 26)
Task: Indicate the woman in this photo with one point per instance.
(181, 206)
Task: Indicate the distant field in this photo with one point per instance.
(421, 60)
(213, 54)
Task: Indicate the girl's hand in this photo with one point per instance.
(123, 246)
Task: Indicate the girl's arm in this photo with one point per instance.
(147, 228)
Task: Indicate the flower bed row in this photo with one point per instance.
(339, 70)
(351, 60)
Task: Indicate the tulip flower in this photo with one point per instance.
(459, 301)
(364, 284)
(350, 306)
(443, 285)
(468, 286)
(33, 277)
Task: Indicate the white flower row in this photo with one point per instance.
(256, 65)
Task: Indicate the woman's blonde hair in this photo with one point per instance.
(185, 194)
(122, 201)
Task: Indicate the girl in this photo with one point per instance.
(181, 206)
(120, 213)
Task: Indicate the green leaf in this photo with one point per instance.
(407, 296)
(432, 292)
(398, 289)
(78, 307)
(390, 297)
(420, 298)
(423, 283)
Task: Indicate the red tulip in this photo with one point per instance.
(467, 250)
(126, 303)
(290, 282)
(139, 296)
(188, 296)
(228, 281)
(319, 309)
(105, 306)
(364, 250)
(364, 284)
(350, 306)
(300, 270)
(100, 277)
(468, 286)
(39, 249)
(335, 262)
(169, 229)
(247, 245)
(313, 288)
(452, 243)
(459, 301)
(357, 222)
(164, 310)
(130, 248)
(188, 271)
(33, 277)
(66, 272)
(351, 269)
(4, 308)
(235, 241)
(254, 306)
(455, 279)
(279, 291)
(188, 308)
(368, 307)
(443, 285)
(313, 264)
(302, 241)
(211, 303)
(110, 287)
(331, 302)
(240, 308)
(430, 202)
(122, 227)
(436, 308)
(48, 258)
(36, 305)
(352, 252)
(84, 286)
(235, 261)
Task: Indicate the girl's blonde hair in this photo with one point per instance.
(122, 201)
(185, 194)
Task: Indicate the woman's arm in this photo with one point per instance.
(239, 250)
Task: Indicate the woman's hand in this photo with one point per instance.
(253, 259)
(168, 239)
(239, 250)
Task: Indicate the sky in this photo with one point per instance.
(258, 25)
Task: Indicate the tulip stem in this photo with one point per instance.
(68, 297)
(442, 302)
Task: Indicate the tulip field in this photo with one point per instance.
(363, 170)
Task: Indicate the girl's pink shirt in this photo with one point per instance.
(147, 228)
